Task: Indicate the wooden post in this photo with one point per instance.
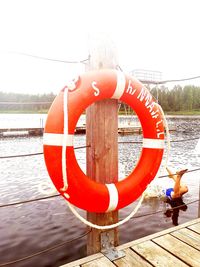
(102, 138)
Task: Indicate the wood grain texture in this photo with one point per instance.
(83, 260)
(131, 259)
(179, 249)
(195, 227)
(102, 137)
(157, 255)
(102, 160)
(189, 237)
(103, 262)
(177, 246)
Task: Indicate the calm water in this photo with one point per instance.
(29, 228)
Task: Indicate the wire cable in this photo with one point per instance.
(171, 141)
(52, 59)
(22, 155)
(183, 140)
(161, 211)
(165, 81)
(33, 154)
(179, 80)
(84, 234)
(80, 147)
(45, 250)
(28, 201)
(57, 195)
(194, 170)
(24, 103)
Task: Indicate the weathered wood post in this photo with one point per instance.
(102, 137)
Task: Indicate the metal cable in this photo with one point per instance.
(182, 140)
(194, 170)
(24, 103)
(57, 195)
(179, 80)
(165, 81)
(83, 235)
(33, 154)
(80, 147)
(172, 141)
(161, 211)
(28, 201)
(23, 155)
(45, 250)
(52, 59)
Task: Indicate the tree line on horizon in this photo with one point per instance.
(23, 102)
(178, 98)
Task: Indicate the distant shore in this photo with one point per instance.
(45, 111)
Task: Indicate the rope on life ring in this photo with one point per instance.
(70, 181)
(134, 211)
(168, 147)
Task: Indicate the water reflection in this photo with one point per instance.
(26, 229)
(176, 205)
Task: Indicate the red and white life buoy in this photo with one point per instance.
(82, 191)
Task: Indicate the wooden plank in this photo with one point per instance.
(156, 255)
(131, 259)
(178, 248)
(83, 260)
(189, 237)
(195, 227)
(149, 237)
(102, 262)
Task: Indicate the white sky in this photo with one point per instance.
(158, 35)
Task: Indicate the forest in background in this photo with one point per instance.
(24, 103)
(179, 100)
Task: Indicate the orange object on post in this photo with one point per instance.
(82, 191)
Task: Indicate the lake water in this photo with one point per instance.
(29, 228)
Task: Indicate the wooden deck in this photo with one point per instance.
(6, 132)
(178, 246)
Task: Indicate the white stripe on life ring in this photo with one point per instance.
(153, 143)
(121, 84)
(113, 193)
(52, 139)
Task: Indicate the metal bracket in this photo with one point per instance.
(107, 246)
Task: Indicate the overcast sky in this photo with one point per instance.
(160, 35)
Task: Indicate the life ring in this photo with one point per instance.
(82, 191)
